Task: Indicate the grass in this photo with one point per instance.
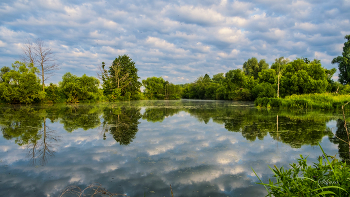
(326, 101)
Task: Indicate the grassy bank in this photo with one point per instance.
(306, 101)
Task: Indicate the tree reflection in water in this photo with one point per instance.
(28, 127)
(121, 123)
(75, 116)
(158, 114)
(43, 149)
(343, 148)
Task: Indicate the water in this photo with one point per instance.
(201, 148)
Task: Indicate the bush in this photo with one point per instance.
(275, 102)
(262, 102)
(53, 94)
(20, 84)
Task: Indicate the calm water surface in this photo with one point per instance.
(201, 148)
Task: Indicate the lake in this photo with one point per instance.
(140, 148)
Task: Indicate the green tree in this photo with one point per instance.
(344, 62)
(154, 87)
(122, 74)
(267, 76)
(20, 85)
(302, 78)
(54, 94)
(79, 88)
(238, 85)
(206, 79)
(3, 70)
(252, 67)
(173, 92)
(263, 90)
(210, 91)
(219, 78)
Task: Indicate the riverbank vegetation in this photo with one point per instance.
(306, 101)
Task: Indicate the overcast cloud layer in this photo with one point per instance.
(176, 40)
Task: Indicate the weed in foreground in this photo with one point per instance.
(328, 177)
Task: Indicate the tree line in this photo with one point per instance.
(257, 79)
(24, 82)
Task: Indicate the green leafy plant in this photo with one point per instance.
(328, 177)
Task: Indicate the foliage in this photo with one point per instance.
(344, 62)
(252, 67)
(76, 88)
(122, 74)
(340, 138)
(263, 90)
(328, 177)
(159, 89)
(256, 80)
(22, 124)
(72, 119)
(219, 78)
(301, 78)
(54, 94)
(204, 88)
(20, 84)
(158, 114)
(3, 70)
(279, 64)
(121, 123)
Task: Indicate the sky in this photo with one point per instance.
(177, 40)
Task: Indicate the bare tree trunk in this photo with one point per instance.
(43, 159)
(277, 127)
(278, 86)
(29, 52)
(43, 77)
(40, 56)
